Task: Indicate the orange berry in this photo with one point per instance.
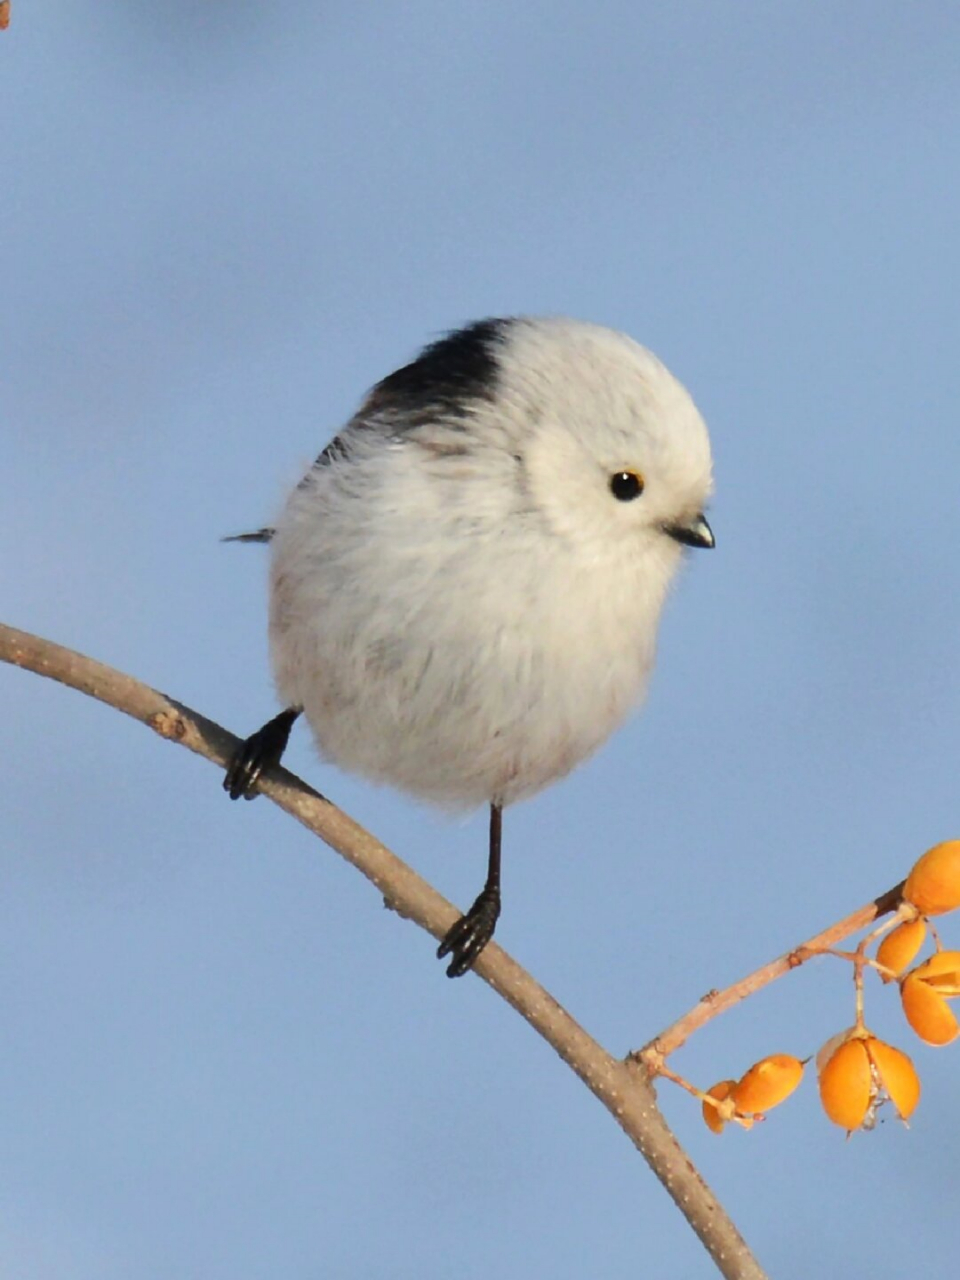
(924, 993)
(716, 1117)
(898, 1077)
(927, 1012)
(767, 1083)
(901, 945)
(861, 1074)
(941, 972)
(845, 1085)
(933, 886)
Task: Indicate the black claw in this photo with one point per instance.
(467, 937)
(244, 770)
(262, 750)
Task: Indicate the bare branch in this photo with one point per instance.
(717, 1002)
(624, 1088)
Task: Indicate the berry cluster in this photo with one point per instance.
(857, 1072)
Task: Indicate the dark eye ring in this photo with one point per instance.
(626, 485)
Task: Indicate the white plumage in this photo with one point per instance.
(465, 590)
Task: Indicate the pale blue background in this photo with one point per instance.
(220, 223)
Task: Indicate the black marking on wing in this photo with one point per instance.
(445, 379)
(447, 375)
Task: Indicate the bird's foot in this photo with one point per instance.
(262, 750)
(465, 939)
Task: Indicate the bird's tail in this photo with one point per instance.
(260, 535)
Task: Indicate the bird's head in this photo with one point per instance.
(615, 451)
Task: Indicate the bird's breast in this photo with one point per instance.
(483, 675)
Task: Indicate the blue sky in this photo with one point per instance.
(221, 223)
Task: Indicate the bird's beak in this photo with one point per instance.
(694, 532)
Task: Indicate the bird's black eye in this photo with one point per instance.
(626, 485)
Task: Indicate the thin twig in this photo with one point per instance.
(653, 1054)
(623, 1088)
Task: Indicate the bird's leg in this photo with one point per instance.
(262, 750)
(464, 941)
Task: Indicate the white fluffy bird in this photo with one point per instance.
(466, 586)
